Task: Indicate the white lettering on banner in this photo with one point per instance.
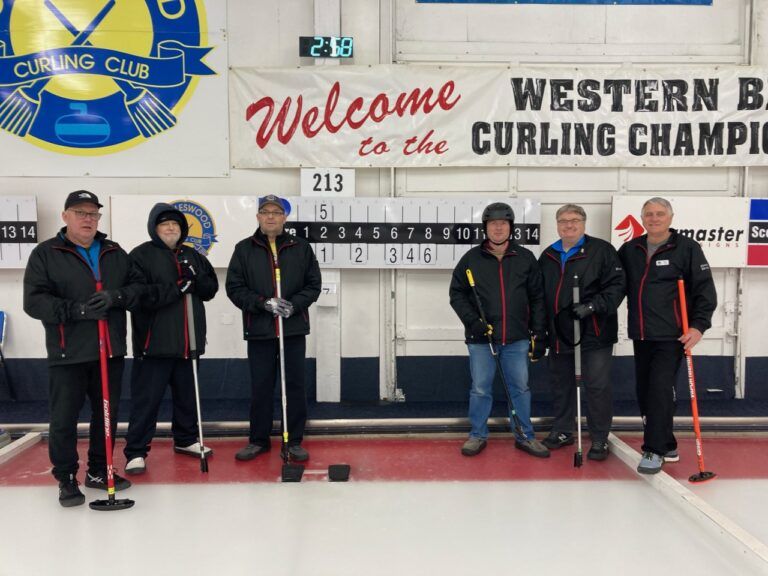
(395, 115)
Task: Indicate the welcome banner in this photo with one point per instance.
(411, 116)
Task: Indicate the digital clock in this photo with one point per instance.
(325, 46)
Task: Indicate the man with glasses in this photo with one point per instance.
(601, 289)
(161, 355)
(654, 262)
(251, 286)
(60, 290)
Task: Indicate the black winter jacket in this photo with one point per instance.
(652, 293)
(160, 323)
(510, 291)
(251, 282)
(58, 278)
(601, 283)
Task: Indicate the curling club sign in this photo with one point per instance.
(97, 76)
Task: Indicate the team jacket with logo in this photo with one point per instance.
(251, 282)
(160, 324)
(601, 283)
(652, 293)
(510, 291)
(57, 279)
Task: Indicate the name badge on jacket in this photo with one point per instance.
(662, 262)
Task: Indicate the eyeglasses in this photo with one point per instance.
(271, 212)
(82, 214)
(569, 222)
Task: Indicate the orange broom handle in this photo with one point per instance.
(691, 375)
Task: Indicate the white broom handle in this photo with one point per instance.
(192, 351)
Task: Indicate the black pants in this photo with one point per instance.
(149, 379)
(596, 386)
(264, 360)
(68, 387)
(656, 366)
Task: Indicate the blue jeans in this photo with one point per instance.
(514, 363)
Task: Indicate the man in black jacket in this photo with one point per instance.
(508, 281)
(653, 263)
(601, 289)
(251, 285)
(60, 289)
(170, 270)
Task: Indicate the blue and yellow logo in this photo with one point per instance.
(98, 76)
(202, 228)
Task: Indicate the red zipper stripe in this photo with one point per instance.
(503, 306)
(62, 342)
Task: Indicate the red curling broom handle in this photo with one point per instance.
(691, 376)
(106, 402)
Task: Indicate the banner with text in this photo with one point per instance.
(413, 116)
(719, 225)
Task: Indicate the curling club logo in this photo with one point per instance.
(202, 228)
(97, 76)
(629, 228)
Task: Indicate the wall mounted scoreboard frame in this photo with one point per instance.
(402, 232)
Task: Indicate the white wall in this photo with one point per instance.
(264, 33)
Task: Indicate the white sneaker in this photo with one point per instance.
(136, 466)
(192, 450)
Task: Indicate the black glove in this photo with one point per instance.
(103, 300)
(582, 310)
(81, 311)
(279, 307)
(538, 347)
(188, 271)
(480, 329)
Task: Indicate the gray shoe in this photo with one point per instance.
(650, 463)
(533, 447)
(473, 446)
(298, 453)
(672, 456)
(251, 451)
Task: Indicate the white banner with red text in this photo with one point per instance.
(414, 116)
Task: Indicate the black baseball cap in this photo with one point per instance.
(81, 196)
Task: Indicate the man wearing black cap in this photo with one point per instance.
(508, 283)
(170, 270)
(60, 290)
(251, 285)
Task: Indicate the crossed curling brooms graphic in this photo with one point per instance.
(149, 115)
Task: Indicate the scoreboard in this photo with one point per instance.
(402, 232)
(18, 230)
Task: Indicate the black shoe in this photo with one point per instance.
(99, 481)
(598, 450)
(69, 493)
(251, 451)
(297, 453)
(557, 440)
